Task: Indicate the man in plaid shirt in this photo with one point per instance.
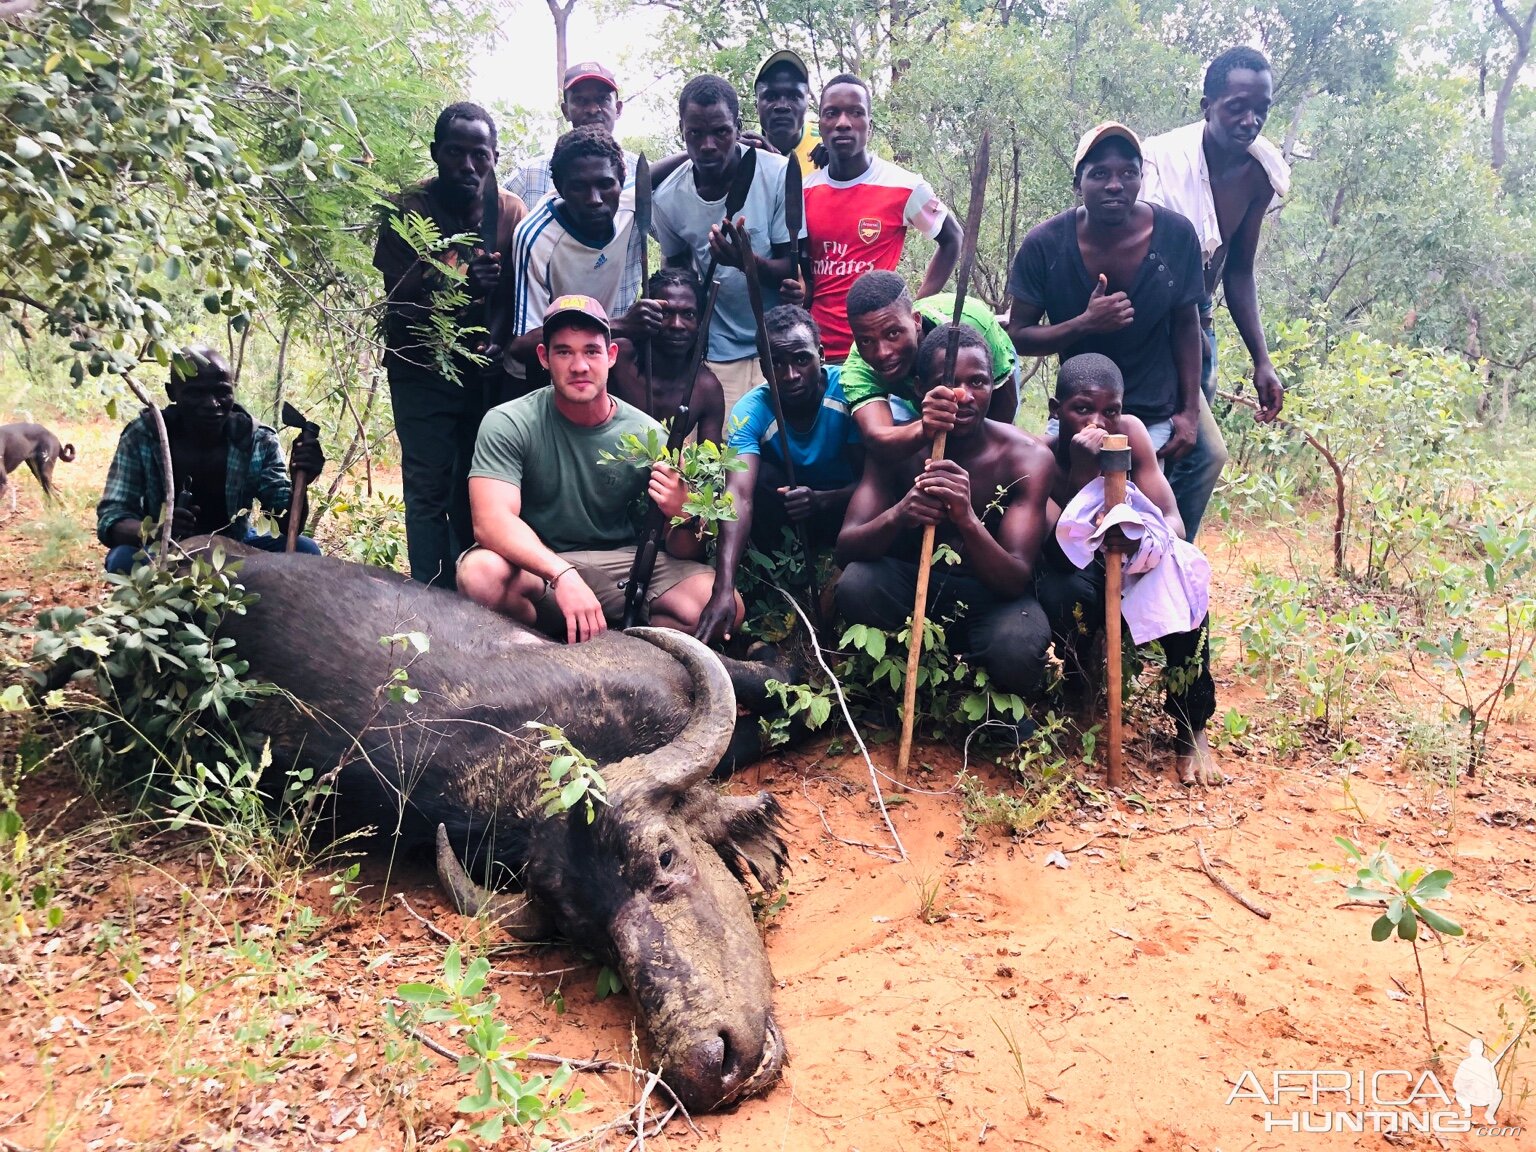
(223, 459)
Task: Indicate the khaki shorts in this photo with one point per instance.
(737, 378)
(606, 572)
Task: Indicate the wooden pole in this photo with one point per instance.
(979, 170)
(1114, 463)
(915, 643)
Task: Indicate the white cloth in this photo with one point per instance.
(1174, 176)
(1167, 581)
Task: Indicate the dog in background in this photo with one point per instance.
(37, 448)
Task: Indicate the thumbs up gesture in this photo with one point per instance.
(1107, 311)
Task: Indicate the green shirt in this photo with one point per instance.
(861, 384)
(570, 499)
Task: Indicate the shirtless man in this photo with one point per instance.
(675, 291)
(1222, 175)
(1087, 406)
(987, 499)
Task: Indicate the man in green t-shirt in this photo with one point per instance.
(555, 529)
(879, 376)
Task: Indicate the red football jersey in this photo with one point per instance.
(856, 226)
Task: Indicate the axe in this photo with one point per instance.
(298, 505)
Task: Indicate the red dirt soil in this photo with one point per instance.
(1135, 992)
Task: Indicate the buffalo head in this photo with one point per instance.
(655, 881)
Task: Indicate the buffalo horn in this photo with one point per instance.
(518, 915)
(690, 757)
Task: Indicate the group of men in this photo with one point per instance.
(567, 346)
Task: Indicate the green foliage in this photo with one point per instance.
(955, 698)
(367, 529)
(1402, 891)
(1329, 659)
(1404, 894)
(572, 777)
(152, 684)
(704, 469)
(169, 160)
(533, 1105)
(1475, 677)
(442, 333)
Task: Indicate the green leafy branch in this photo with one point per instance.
(535, 1104)
(1403, 894)
(443, 333)
(572, 777)
(704, 468)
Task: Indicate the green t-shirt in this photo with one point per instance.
(861, 384)
(570, 499)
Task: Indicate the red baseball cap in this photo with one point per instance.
(588, 70)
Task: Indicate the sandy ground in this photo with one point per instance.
(1114, 1003)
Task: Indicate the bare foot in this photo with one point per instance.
(1196, 764)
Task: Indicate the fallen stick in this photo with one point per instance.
(1205, 866)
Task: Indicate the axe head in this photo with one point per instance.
(293, 418)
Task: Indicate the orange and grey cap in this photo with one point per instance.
(588, 70)
(782, 56)
(576, 306)
(1109, 130)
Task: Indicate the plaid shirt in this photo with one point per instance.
(533, 181)
(135, 488)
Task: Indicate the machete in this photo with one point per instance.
(748, 260)
(951, 350)
(642, 230)
(654, 533)
(741, 185)
(794, 218)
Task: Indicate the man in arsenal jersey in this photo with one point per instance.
(857, 213)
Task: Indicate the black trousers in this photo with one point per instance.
(437, 422)
(1008, 638)
(1073, 599)
(769, 518)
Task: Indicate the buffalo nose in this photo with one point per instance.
(711, 1071)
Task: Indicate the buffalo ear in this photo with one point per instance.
(753, 832)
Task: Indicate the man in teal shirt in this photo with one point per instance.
(555, 533)
(879, 376)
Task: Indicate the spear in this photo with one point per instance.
(951, 351)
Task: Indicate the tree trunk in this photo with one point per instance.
(282, 365)
(1522, 33)
(561, 14)
(1293, 129)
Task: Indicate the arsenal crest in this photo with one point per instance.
(869, 229)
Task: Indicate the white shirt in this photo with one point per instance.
(1167, 581)
(1174, 176)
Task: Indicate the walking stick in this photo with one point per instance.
(951, 350)
(1114, 463)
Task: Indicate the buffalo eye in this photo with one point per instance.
(665, 858)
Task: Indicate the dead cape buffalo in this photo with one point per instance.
(655, 881)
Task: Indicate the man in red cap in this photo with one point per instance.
(554, 532)
(591, 97)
